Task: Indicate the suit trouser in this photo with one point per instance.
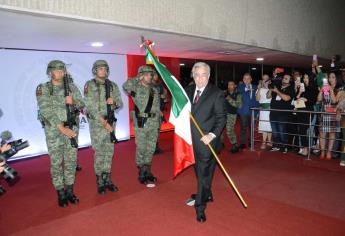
(204, 170)
(244, 126)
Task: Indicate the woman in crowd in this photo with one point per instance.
(264, 117)
(306, 94)
(328, 98)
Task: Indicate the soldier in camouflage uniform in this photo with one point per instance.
(233, 102)
(52, 109)
(163, 100)
(100, 129)
(146, 117)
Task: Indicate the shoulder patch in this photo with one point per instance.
(86, 88)
(39, 90)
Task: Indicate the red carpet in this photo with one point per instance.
(286, 195)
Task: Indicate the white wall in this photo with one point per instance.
(22, 71)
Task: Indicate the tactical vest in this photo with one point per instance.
(229, 108)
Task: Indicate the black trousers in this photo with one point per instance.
(204, 169)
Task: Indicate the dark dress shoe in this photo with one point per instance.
(200, 216)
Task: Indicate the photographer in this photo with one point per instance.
(281, 95)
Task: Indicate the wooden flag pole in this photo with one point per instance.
(220, 163)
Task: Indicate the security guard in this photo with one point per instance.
(146, 117)
(100, 129)
(52, 109)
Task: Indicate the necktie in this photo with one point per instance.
(196, 99)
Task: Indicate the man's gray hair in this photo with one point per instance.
(201, 64)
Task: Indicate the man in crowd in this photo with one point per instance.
(247, 91)
(281, 96)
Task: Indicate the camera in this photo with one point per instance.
(10, 174)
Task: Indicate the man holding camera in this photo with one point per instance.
(146, 98)
(52, 104)
(281, 95)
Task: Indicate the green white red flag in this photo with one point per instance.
(179, 116)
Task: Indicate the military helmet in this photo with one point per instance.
(144, 69)
(98, 64)
(56, 65)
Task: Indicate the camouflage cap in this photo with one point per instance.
(99, 63)
(56, 65)
(145, 69)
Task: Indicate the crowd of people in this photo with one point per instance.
(297, 112)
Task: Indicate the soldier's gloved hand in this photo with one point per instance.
(69, 100)
(110, 101)
(66, 131)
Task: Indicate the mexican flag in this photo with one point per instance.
(179, 116)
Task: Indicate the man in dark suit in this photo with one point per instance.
(209, 111)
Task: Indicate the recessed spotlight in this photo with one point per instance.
(182, 64)
(253, 68)
(260, 59)
(97, 44)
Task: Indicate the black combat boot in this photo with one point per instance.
(142, 177)
(108, 183)
(78, 167)
(70, 195)
(100, 184)
(234, 148)
(2, 190)
(62, 200)
(149, 175)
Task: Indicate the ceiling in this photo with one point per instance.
(20, 30)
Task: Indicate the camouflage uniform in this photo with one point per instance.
(94, 92)
(233, 101)
(163, 101)
(146, 123)
(52, 111)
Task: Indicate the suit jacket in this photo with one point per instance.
(210, 114)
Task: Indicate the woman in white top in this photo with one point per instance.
(264, 117)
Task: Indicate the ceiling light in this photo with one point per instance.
(97, 44)
(182, 64)
(259, 58)
(253, 68)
